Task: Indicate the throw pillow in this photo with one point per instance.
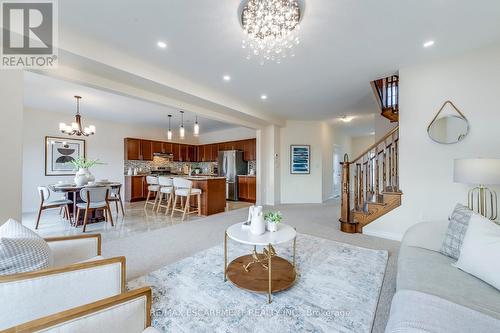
(480, 252)
(457, 228)
(22, 250)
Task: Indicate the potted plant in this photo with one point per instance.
(273, 219)
(83, 175)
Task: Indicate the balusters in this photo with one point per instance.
(377, 173)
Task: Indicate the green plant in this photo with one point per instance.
(83, 163)
(274, 217)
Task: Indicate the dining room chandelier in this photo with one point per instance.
(76, 127)
(271, 28)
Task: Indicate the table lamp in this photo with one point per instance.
(480, 172)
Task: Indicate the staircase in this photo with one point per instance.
(387, 91)
(370, 184)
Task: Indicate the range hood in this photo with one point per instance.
(164, 155)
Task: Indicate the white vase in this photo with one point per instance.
(272, 227)
(83, 177)
(257, 224)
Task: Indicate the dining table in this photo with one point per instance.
(72, 192)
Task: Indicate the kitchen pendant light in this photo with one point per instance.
(196, 129)
(169, 133)
(76, 127)
(181, 129)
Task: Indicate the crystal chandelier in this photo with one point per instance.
(76, 127)
(271, 29)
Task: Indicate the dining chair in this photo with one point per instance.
(45, 203)
(115, 196)
(94, 198)
(153, 187)
(167, 189)
(183, 188)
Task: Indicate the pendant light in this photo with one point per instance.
(181, 129)
(196, 129)
(76, 127)
(169, 133)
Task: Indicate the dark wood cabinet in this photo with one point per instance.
(134, 188)
(158, 147)
(247, 188)
(167, 147)
(176, 152)
(132, 149)
(146, 150)
(191, 153)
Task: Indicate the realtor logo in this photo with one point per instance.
(29, 34)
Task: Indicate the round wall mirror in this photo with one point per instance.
(448, 129)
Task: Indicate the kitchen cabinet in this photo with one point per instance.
(158, 147)
(205, 153)
(132, 149)
(167, 146)
(214, 152)
(146, 150)
(134, 188)
(176, 152)
(191, 153)
(247, 188)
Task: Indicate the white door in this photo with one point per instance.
(337, 172)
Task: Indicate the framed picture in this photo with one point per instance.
(300, 159)
(60, 151)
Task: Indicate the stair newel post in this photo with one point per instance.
(345, 198)
(356, 187)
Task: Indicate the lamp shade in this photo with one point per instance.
(477, 171)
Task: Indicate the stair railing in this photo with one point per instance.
(370, 174)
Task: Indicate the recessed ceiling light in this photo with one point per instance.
(346, 119)
(263, 97)
(226, 78)
(161, 44)
(429, 43)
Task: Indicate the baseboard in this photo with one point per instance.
(383, 234)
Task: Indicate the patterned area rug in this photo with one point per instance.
(337, 290)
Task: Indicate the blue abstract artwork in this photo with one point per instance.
(300, 156)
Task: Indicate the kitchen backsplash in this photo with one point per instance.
(147, 166)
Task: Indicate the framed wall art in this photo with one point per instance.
(60, 151)
(300, 159)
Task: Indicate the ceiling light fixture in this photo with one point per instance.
(226, 78)
(263, 97)
(169, 132)
(181, 129)
(162, 45)
(76, 127)
(429, 43)
(346, 119)
(270, 27)
(196, 129)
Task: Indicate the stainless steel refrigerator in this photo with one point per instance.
(231, 164)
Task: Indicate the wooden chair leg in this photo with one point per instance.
(157, 202)
(109, 214)
(68, 214)
(85, 219)
(116, 205)
(77, 218)
(160, 196)
(121, 205)
(61, 210)
(199, 204)
(173, 207)
(38, 217)
(147, 200)
(169, 202)
(186, 208)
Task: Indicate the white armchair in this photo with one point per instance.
(68, 284)
(129, 312)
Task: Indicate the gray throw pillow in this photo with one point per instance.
(22, 250)
(459, 221)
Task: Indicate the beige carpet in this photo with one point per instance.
(151, 250)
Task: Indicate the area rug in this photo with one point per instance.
(337, 290)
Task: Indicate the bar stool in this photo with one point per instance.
(44, 194)
(167, 189)
(94, 198)
(153, 187)
(183, 188)
(115, 196)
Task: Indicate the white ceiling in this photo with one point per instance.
(344, 45)
(54, 95)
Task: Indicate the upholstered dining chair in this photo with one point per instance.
(153, 187)
(94, 198)
(115, 196)
(167, 189)
(183, 188)
(45, 203)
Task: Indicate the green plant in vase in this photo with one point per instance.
(273, 219)
(83, 175)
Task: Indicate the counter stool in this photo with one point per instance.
(44, 193)
(153, 187)
(183, 188)
(167, 189)
(94, 198)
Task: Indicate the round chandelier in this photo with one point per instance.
(271, 29)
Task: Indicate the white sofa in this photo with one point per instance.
(434, 296)
(129, 312)
(79, 276)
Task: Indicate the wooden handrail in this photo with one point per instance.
(394, 130)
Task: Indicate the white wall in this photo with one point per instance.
(382, 126)
(106, 145)
(359, 144)
(472, 83)
(230, 134)
(327, 145)
(11, 131)
(268, 165)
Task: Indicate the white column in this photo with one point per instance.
(268, 166)
(11, 143)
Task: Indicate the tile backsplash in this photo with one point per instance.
(147, 166)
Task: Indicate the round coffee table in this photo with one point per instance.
(264, 272)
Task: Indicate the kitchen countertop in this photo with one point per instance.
(247, 175)
(183, 176)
